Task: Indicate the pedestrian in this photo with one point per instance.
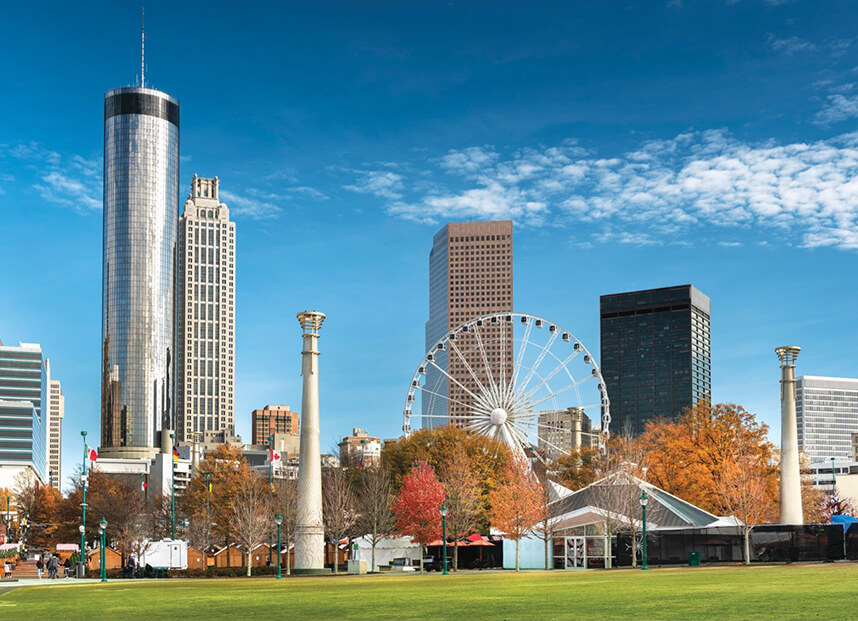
(67, 566)
(53, 566)
(131, 567)
(6, 571)
(41, 567)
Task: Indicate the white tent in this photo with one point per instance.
(387, 549)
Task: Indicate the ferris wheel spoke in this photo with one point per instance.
(438, 394)
(488, 366)
(539, 360)
(518, 362)
(502, 385)
(470, 370)
(454, 380)
(554, 372)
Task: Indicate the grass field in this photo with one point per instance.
(793, 592)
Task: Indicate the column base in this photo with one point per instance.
(325, 571)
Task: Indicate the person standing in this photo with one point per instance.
(40, 565)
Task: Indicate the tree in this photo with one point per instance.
(546, 527)
(577, 469)
(251, 515)
(417, 508)
(228, 472)
(745, 490)
(338, 508)
(435, 446)
(686, 457)
(463, 499)
(516, 506)
(375, 507)
(286, 504)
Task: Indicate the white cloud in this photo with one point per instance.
(382, 183)
(838, 108)
(309, 192)
(259, 207)
(663, 191)
(791, 45)
(61, 189)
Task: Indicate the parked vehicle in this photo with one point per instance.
(402, 564)
(430, 563)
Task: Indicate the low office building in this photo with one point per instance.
(360, 448)
(564, 431)
(274, 419)
(23, 419)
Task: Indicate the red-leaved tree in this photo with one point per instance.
(418, 505)
(517, 505)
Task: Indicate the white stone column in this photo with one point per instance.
(791, 511)
(309, 530)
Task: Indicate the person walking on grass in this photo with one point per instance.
(40, 565)
(53, 566)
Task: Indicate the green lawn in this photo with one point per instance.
(793, 592)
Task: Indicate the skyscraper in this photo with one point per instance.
(470, 274)
(56, 409)
(826, 411)
(205, 313)
(141, 195)
(656, 354)
(23, 413)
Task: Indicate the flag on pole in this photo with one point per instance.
(210, 487)
(360, 465)
(274, 456)
(92, 454)
(175, 454)
(142, 486)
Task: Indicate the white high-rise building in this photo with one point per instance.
(205, 314)
(56, 411)
(827, 415)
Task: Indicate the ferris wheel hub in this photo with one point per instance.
(498, 416)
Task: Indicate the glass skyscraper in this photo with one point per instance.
(141, 204)
(656, 354)
(23, 413)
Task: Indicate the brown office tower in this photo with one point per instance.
(274, 419)
(470, 275)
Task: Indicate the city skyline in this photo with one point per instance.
(370, 150)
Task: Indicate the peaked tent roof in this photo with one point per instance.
(663, 511)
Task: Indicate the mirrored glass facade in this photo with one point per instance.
(141, 196)
(826, 411)
(656, 354)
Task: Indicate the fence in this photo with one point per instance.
(770, 543)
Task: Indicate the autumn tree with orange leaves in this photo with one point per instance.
(687, 457)
(417, 508)
(517, 506)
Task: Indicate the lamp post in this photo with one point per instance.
(270, 483)
(833, 479)
(644, 499)
(444, 533)
(208, 524)
(279, 521)
(83, 482)
(102, 530)
(82, 529)
(172, 488)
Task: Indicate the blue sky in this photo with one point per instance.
(635, 145)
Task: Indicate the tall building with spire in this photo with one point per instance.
(141, 204)
(205, 314)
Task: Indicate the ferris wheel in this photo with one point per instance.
(515, 377)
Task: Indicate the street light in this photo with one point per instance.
(644, 499)
(278, 520)
(83, 482)
(82, 529)
(833, 480)
(444, 532)
(172, 488)
(208, 524)
(102, 530)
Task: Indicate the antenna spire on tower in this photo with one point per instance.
(143, 49)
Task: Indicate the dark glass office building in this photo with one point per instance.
(656, 354)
